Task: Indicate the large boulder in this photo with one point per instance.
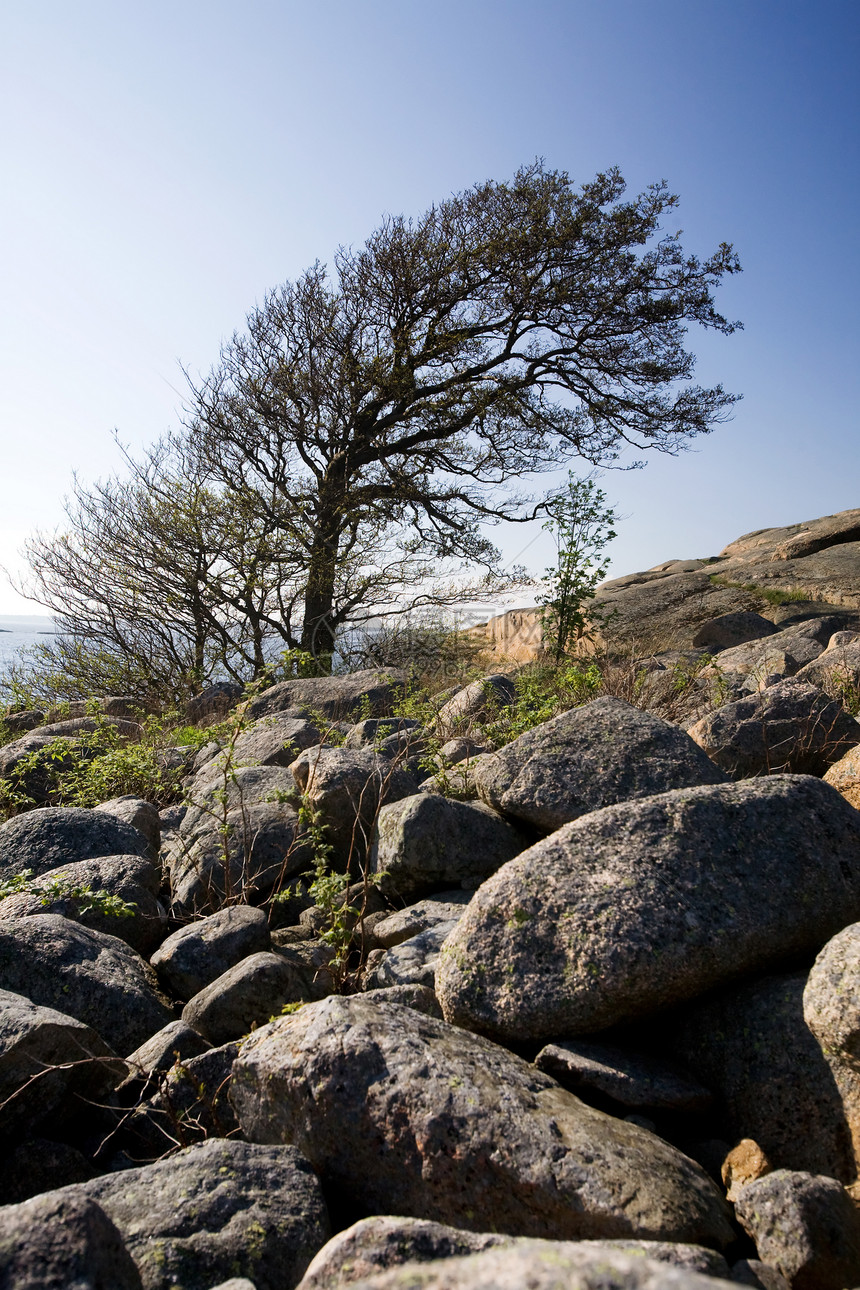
(132, 879)
(837, 670)
(218, 789)
(593, 756)
(401, 1112)
(649, 903)
(63, 1242)
(96, 978)
(194, 955)
(44, 1055)
(219, 1206)
(788, 727)
(428, 842)
(337, 698)
(56, 835)
(344, 788)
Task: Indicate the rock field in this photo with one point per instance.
(598, 1022)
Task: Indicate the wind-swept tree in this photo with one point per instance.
(383, 413)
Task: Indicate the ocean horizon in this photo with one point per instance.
(19, 631)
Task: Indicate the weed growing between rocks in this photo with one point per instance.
(48, 889)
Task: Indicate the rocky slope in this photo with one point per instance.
(591, 1022)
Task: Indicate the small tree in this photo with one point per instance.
(581, 523)
(158, 582)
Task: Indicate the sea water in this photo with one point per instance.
(17, 631)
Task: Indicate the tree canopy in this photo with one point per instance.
(382, 412)
(353, 443)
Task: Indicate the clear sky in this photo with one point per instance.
(164, 164)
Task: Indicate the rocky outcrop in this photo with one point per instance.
(639, 930)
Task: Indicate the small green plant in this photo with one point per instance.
(49, 889)
(770, 595)
(581, 523)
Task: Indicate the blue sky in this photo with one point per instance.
(166, 164)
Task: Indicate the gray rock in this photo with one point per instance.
(56, 835)
(95, 978)
(453, 751)
(545, 1265)
(213, 703)
(38, 1164)
(88, 725)
(413, 962)
(837, 670)
(752, 1272)
(33, 780)
(790, 726)
(392, 929)
(831, 1010)
(796, 644)
(374, 730)
(750, 1045)
(418, 997)
(214, 1208)
(244, 996)
(174, 1042)
(345, 787)
(44, 1055)
(141, 815)
(196, 954)
(593, 756)
(400, 1111)
(275, 741)
(805, 1226)
(632, 1079)
(334, 697)
(427, 842)
(133, 879)
(214, 791)
(732, 629)
(191, 1104)
(21, 722)
(474, 704)
(377, 1244)
(63, 1242)
(265, 849)
(649, 903)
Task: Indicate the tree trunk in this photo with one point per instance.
(318, 629)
